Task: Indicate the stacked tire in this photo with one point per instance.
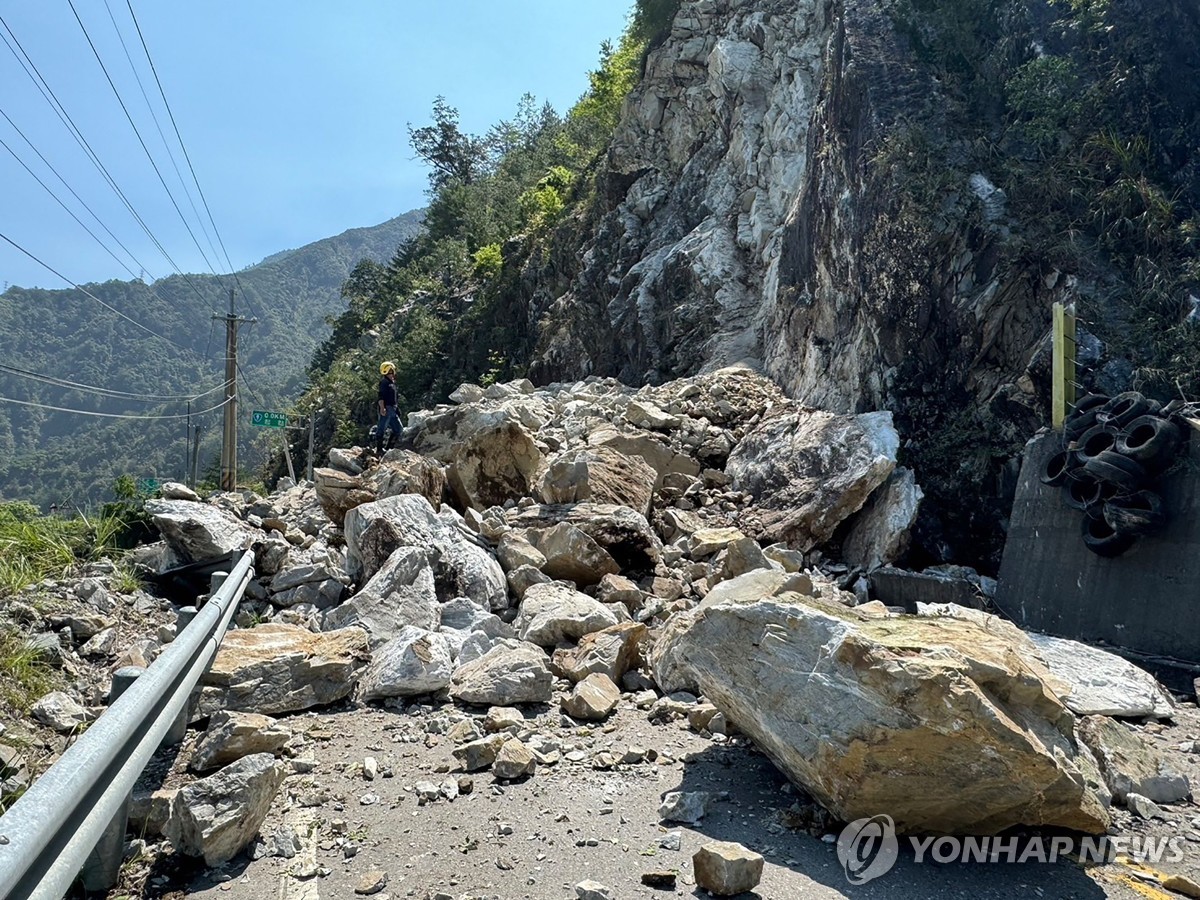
(1116, 448)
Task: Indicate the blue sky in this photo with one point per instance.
(293, 113)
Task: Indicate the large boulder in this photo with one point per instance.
(569, 554)
(217, 816)
(197, 532)
(656, 453)
(405, 472)
(938, 721)
(1102, 683)
(879, 534)
(400, 594)
(462, 568)
(1129, 764)
(612, 652)
(339, 492)
(274, 668)
(320, 584)
(809, 470)
(623, 532)
(511, 672)
(600, 474)
(554, 613)
(414, 662)
(494, 465)
(232, 735)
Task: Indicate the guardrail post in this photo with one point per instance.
(103, 866)
(183, 618)
(178, 730)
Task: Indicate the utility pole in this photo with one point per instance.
(195, 455)
(229, 434)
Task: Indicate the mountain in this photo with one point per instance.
(62, 458)
(876, 202)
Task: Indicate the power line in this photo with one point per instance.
(34, 74)
(88, 293)
(105, 392)
(138, 134)
(182, 146)
(74, 194)
(158, 127)
(68, 209)
(84, 412)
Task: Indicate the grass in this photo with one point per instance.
(125, 580)
(24, 676)
(35, 547)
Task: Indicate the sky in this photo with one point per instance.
(294, 115)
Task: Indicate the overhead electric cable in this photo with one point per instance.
(182, 146)
(88, 293)
(74, 194)
(100, 415)
(49, 190)
(106, 392)
(31, 70)
(138, 134)
(158, 127)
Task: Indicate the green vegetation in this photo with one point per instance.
(70, 459)
(449, 306)
(24, 676)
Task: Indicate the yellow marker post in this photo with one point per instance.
(1063, 388)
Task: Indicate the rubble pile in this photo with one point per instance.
(589, 549)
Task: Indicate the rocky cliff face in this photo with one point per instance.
(771, 196)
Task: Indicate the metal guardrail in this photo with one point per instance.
(75, 814)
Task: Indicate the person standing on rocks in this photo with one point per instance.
(388, 417)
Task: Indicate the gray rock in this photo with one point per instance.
(515, 551)
(1144, 807)
(1129, 764)
(592, 699)
(553, 613)
(612, 652)
(274, 668)
(401, 593)
(58, 711)
(808, 471)
(405, 472)
(593, 890)
(966, 735)
(477, 755)
(601, 475)
(463, 615)
(621, 531)
(496, 463)
(217, 816)
(1102, 683)
(232, 735)
(197, 532)
(522, 579)
(879, 534)
(173, 490)
(508, 674)
(463, 569)
(514, 760)
(724, 868)
(571, 555)
(414, 662)
(685, 807)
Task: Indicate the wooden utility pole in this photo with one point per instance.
(229, 434)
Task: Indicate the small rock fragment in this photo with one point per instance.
(593, 890)
(372, 882)
(724, 868)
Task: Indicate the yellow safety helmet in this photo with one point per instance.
(387, 368)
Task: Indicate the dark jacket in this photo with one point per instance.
(387, 391)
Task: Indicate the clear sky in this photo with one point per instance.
(293, 112)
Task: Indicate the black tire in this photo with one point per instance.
(1087, 402)
(1077, 425)
(1110, 466)
(1101, 539)
(1134, 514)
(1150, 440)
(1083, 492)
(1124, 408)
(1095, 441)
(1058, 468)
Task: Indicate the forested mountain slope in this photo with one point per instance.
(53, 457)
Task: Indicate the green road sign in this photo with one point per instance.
(268, 419)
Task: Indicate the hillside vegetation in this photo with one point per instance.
(70, 459)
